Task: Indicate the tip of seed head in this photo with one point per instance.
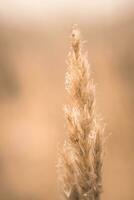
(75, 35)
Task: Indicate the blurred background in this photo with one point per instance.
(34, 43)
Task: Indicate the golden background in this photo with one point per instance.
(32, 68)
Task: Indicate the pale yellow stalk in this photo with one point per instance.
(80, 160)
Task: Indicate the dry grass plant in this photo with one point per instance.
(80, 161)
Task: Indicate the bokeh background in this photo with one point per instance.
(34, 43)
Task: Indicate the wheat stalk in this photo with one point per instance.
(80, 161)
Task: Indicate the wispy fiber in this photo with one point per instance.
(80, 160)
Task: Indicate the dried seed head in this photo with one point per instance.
(81, 160)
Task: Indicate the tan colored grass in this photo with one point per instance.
(80, 160)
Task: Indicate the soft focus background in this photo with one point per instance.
(34, 42)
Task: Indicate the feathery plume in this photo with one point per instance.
(80, 161)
